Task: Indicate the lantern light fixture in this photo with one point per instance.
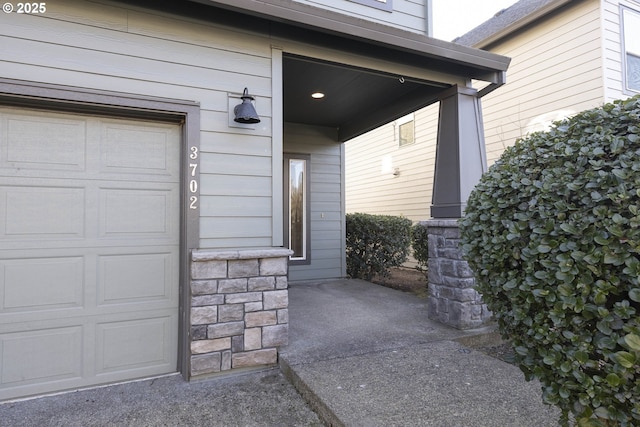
(246, 112)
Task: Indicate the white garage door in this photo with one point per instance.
(89, 250)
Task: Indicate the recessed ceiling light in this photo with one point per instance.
(317, 95)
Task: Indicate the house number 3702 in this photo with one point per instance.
(193, 177)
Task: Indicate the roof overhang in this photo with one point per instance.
(365, 98)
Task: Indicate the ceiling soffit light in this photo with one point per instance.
(317, 95)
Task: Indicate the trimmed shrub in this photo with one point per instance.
(376, 243)
(552, 232)
(420, 245)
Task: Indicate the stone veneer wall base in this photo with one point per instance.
(452, 299)
(239, 309)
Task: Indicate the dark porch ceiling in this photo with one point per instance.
(355, 101)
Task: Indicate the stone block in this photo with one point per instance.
(199, 332)
(204, 315)
(230, 286)
(209, 346)
(244, 268)
(457, 282)
(254, 358)
(275, 299)
(275, 336)
(204, 287)
(201, 300)
(451, 253)
(230, 312)
(274, 266)
(225, 365)
(443, 305)
(209, 270)
(205, 363)
(434, 276)
(243, 297)
(237, 343)
(267, 283)
(460, 315)
(476, 312)
(282, 282)
(252, 339)
(451, 233)
(283, 316)
(452, 244)
(462, 295)
(252, 306)
(260, 318)
(487, 315)
(228, 329)
(447, 267)
(463, 270)
(432, 244)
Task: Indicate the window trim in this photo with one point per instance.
(287, 157)
(386, 5)
(626, 89)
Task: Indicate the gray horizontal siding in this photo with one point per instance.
(327, 215)
(126, 49)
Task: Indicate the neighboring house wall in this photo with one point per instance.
(556, 70)
(327, 229)
(388, 179)
(410, 15)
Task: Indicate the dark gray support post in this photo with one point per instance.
(460, 152)
(460, 162)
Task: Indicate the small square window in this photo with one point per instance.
(406, 130)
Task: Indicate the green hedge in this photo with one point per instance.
(552, 232)
(376, 243)
(420, 245)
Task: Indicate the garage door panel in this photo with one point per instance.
(137, 211)
(139, 150)
(23, 213)
(41, 356)
(38, 141)
(134, 278)
(134, 345)
(41, 284)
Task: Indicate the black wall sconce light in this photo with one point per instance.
(246, 112)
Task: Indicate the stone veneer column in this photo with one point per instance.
(239, 308)
(452, 299)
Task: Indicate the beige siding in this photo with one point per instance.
(410, 15)
(371, 160)
(556, 68)
(139, 52)
(327, 200)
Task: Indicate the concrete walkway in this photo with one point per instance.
(366, 355)
(359, 354)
